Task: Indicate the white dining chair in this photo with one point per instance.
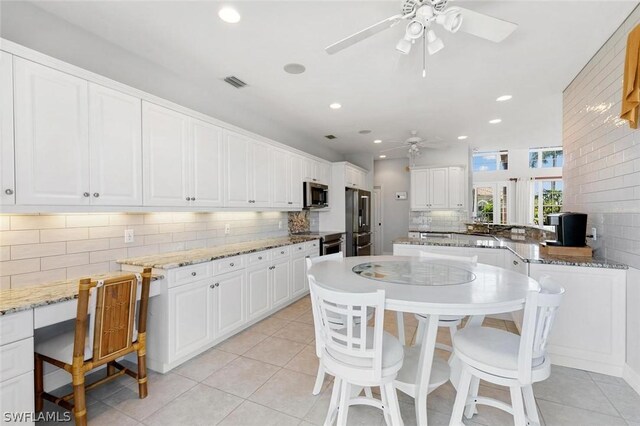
(356, 354)
(449, 321)
(317, 387)
(504, 358)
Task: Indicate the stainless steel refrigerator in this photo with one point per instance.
(358, 222)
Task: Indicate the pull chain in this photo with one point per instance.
(424, 53)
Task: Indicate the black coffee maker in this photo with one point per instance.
(571, 229)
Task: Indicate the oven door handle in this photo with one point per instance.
(337, 243)
(364, 246)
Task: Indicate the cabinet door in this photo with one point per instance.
(115, 147)
(207, 164)
(260, 185)
(298, 276)
(324, 173)
(295, 182)
(190, 318)
(419, 189)
(310, 170)
(51, 136)
(350, 178)
(7, 184)
(237, 170)
(258, 298)
(165, 136)
(438, 188)
(457, 186)
(281, 183)
(280, 278)
(16, 396)
(230, 299)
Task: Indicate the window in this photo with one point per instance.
(547, 198)
(545, 157)
(490, 161)
(490, 204)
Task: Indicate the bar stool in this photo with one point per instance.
(111, 333)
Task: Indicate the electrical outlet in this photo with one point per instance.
(128, 236)
(227, 229)
(280, 225)
(593, 234)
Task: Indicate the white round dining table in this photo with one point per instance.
(432, 287)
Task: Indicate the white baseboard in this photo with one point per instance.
(631, 377)
(588, 365)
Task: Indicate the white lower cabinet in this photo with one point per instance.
(190, 318)
(16, 397)
(229, 307)
(281, 277)
(258, 294)
(299, 275)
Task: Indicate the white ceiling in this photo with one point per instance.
(379, 89)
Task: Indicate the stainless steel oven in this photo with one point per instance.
(316, 195)
(331, 244)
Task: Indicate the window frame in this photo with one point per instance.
(540, 156)
(540, 194)
(498, 157)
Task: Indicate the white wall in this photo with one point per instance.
(55, 37)
(602, 169)
(392, 176)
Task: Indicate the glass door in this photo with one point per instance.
(491, 202)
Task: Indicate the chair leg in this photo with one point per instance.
(39, 382)
(530, 404)
(385, 406)
(419, 332)
(333, 404)
(461, 398)
(343, 405)
(368, 393)
(392, 400)
(400, 325)
(471, 409)
(142, 374)
(79, 401)
(111, 369)
(519, 418)
(317, 387)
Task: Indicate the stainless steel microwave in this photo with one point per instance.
(316, 195)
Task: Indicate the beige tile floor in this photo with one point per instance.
(264, 376)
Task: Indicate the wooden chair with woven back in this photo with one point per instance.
(105, 331)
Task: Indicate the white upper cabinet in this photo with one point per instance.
(457, 187)
(7, 183)
(165, 136)
(438, 188)
(115, 147)
(207, 164)
(310, 170)
(260, 169)
(324, 173)
(281, 174)
(355, 178)
(51, 136)
(295, 181)
(237, 169)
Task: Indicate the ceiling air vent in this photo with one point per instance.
(235, 82)
(330, 136)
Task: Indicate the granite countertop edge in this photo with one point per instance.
(63, 286)
(512, 247)
(182, 258)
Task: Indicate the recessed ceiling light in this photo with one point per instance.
(495, 121)
(504, 98)
(229, 15)
(335, 105)
(378, 141)
(461, 138)
(294, 68)
(383, 156)
(364, 132)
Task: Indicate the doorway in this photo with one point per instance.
(377, 221)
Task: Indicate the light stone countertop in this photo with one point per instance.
(192, 257)
(21, 299)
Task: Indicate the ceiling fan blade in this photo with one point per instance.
(485, 26)
(364, 34)
(405, 147)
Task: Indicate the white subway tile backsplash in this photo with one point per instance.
(9, 238)
(13, 267)
(27, 251)
(64, 261)
(107, 255)
(87, 245)
(34, 278)
(37, 222)
(86, 220)
(68, 234)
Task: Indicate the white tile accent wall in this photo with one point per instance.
(438, 221)
(602, 154)
(36, 249)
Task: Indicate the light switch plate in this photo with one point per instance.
(227, 229)
(129, 236)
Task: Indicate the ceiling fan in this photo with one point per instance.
(415, 143)
(422, 15)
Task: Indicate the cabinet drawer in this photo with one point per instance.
(16, 326)
(189, 273)
(16, 397)
(17, 358)
(229, 264)
(259, 257)
(297, 250)
(312, 245)
(280, 252)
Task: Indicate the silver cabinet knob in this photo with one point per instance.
(8, 191)
(259, 257)
(515, 262)
(193, 198)
(95, 194)
(232, 264)
(188, 198)
(86, 194)
(212, 286)
(217, 284)
(282, 252)
(193, 274)
(290, 202)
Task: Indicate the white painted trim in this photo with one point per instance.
(631, 377)
(49, 61)
(589, 365)
(346, 163)
(30, 209)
